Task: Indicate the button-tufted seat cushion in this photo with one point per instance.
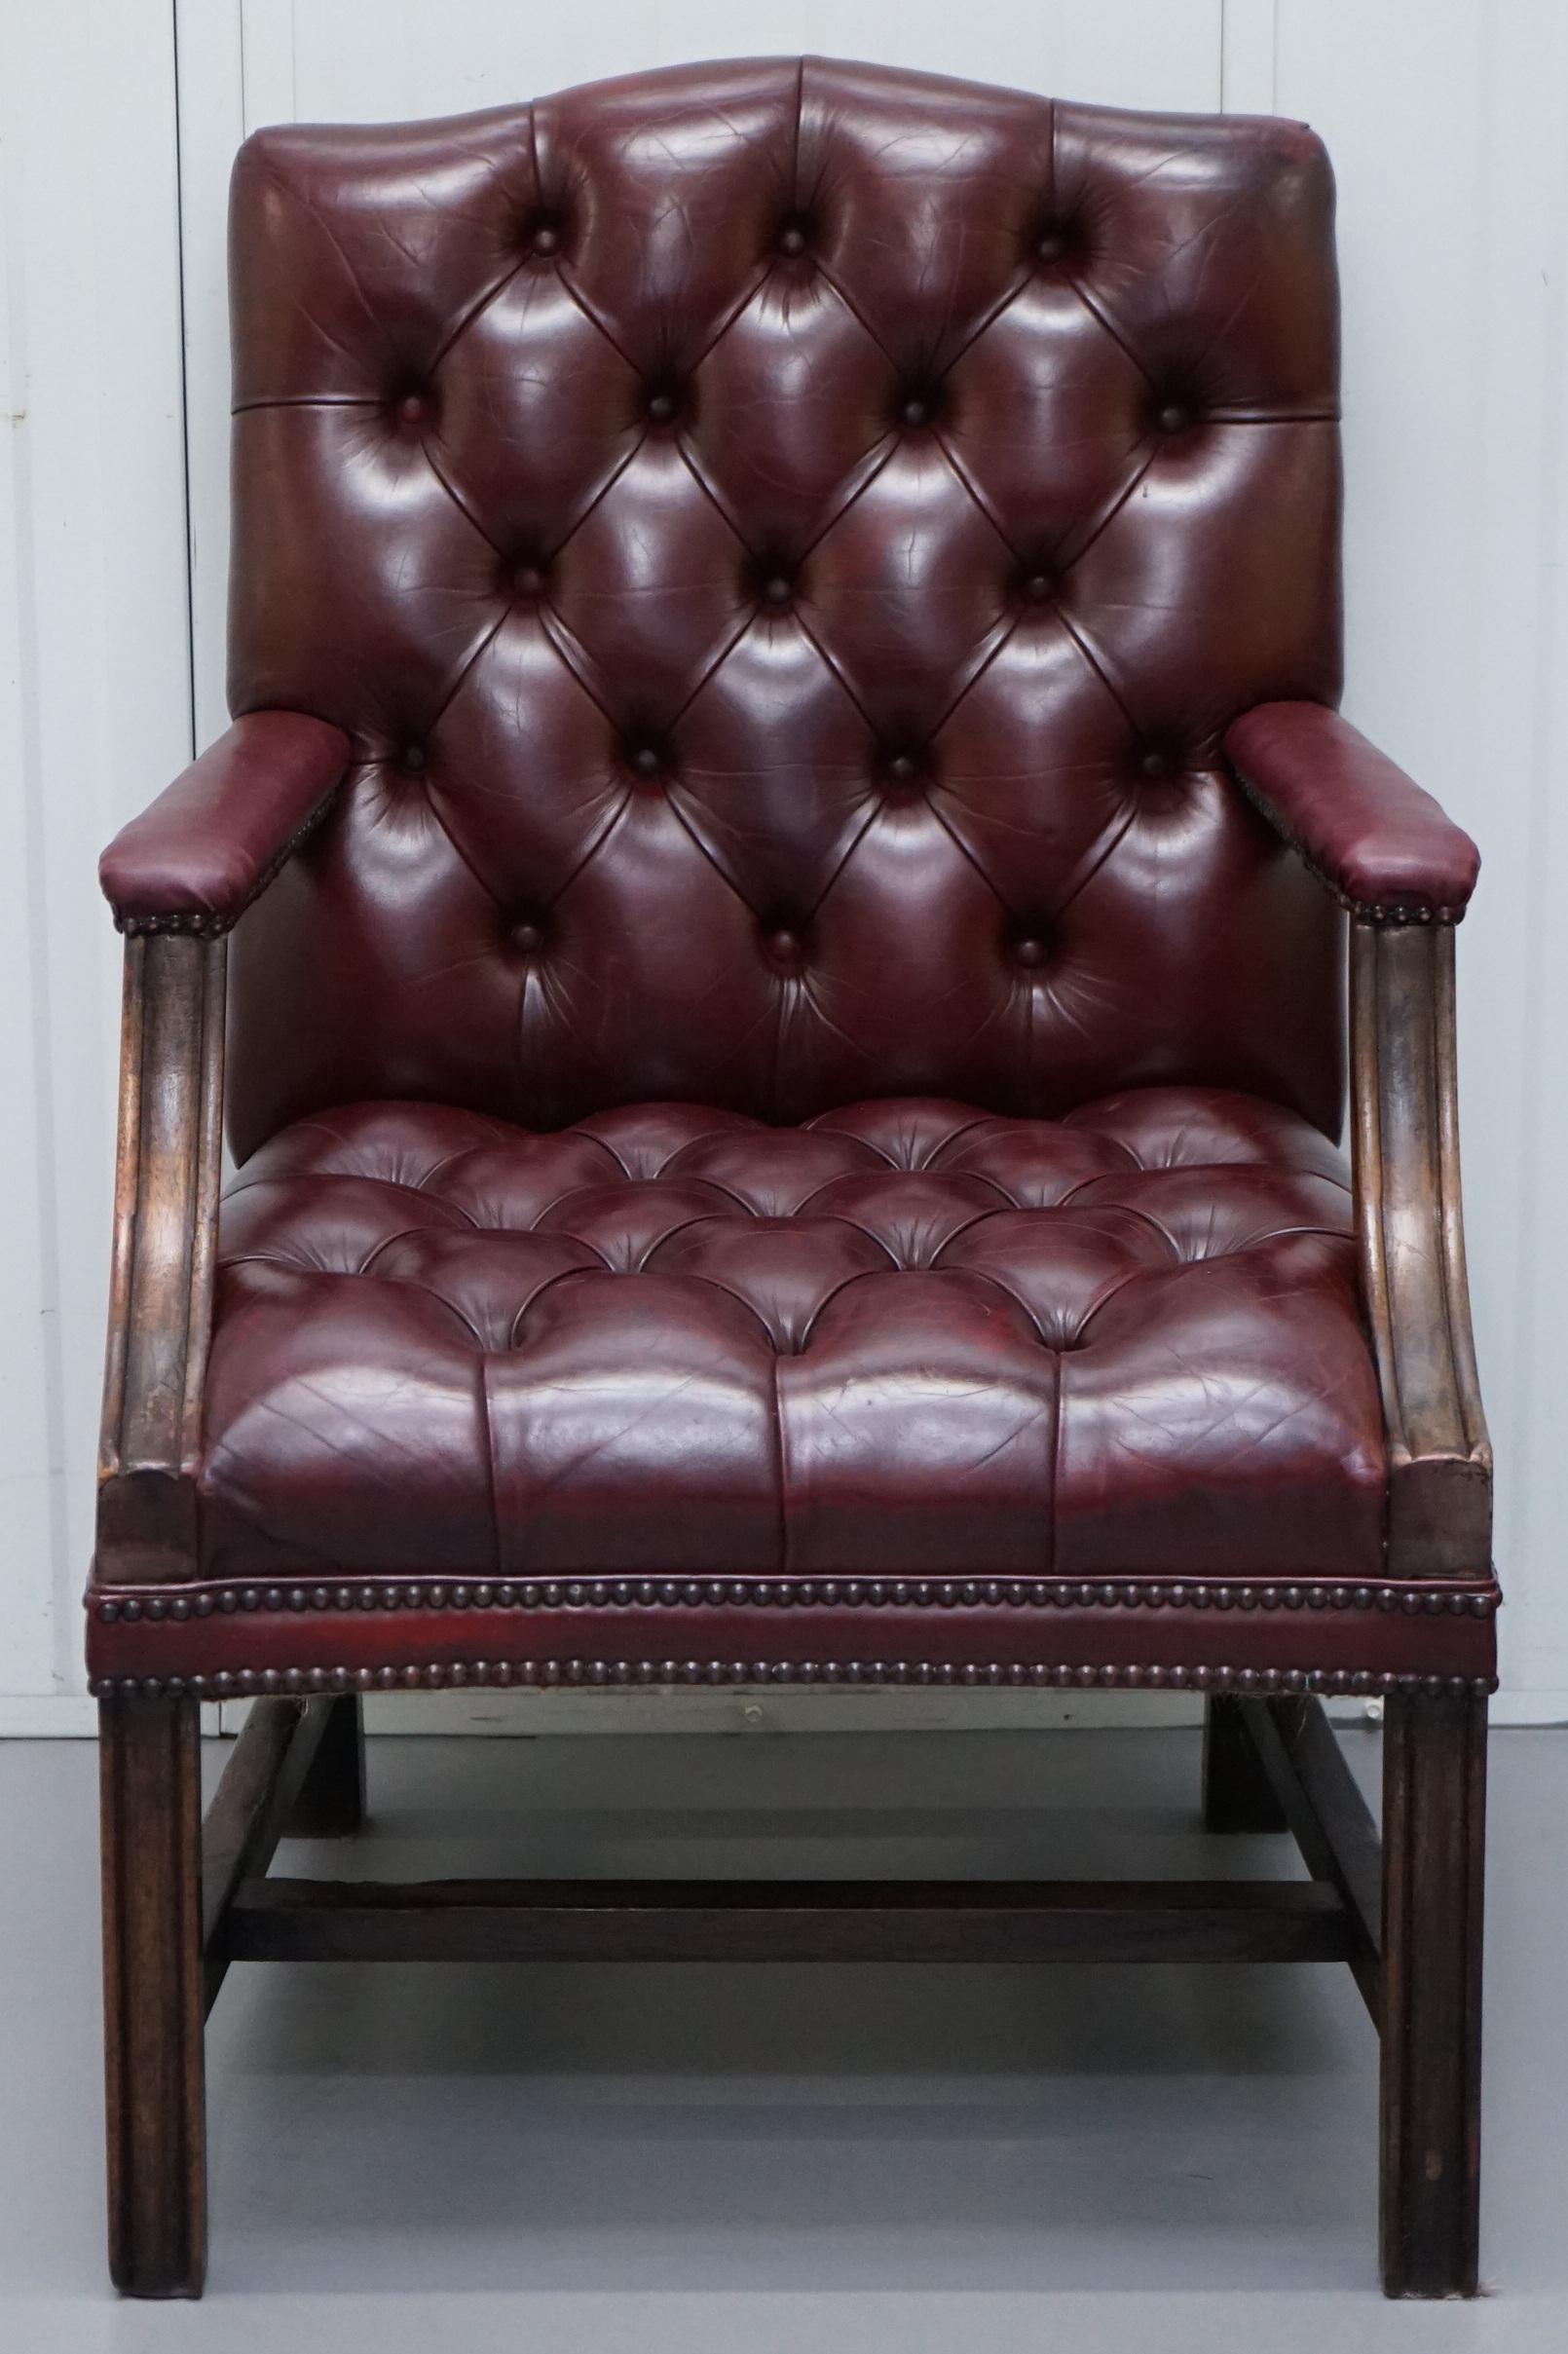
(911, 1391)
(905, 1338)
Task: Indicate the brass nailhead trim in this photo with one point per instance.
(693, 1594)
(245, 1683)
(199, 927)
(1393, 912)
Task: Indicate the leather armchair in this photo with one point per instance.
(786, 1047)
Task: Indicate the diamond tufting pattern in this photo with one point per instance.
(786, 540)
(909, 1336)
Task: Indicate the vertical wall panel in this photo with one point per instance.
(210, 59)
(1247, 37)
(1515, 692)
(365, 59)
(27, 1386)
(93, 714)
(1445, 121)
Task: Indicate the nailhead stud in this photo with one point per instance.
(830, 1673)
(672, 1593)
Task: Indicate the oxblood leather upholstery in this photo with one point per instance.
(194, 861)
(1370, 830)
(786, 545)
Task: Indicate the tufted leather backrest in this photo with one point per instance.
(786, 540)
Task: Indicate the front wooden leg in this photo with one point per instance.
(331, 1801)
(1434, 1847)
(156, 2110)
(1236, 1793)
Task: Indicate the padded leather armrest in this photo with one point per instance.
(196, 858)
(1367, 828)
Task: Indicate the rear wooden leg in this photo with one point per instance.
(1434, 1847)
(1237, 1794)
(331, 1801)
(154, 2093)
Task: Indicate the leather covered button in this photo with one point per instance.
(411, 759)
(527, 937)
(1174, 418)
(1156, 764)
(1040, 588)
(902, 770)
(777, 590)
(916, 409)
(1051, 246)
(528, 579)
(1030, 950)
(784, 946)
(793, 239)
(545, 240)
(661, 407)
(411, 409)
(645, 761)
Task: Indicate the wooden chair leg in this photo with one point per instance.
(1434, 1846)
(156, 2110)
(1236, 1793)
(331, 1801)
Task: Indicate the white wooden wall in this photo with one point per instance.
(117, 127)
(94, 712)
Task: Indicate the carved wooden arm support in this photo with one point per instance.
(1405, 872)
(165, 1202)
(1405, 1145)
(178, 877)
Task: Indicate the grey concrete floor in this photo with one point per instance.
(773, 2157)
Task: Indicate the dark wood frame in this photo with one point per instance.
(184, 1897)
